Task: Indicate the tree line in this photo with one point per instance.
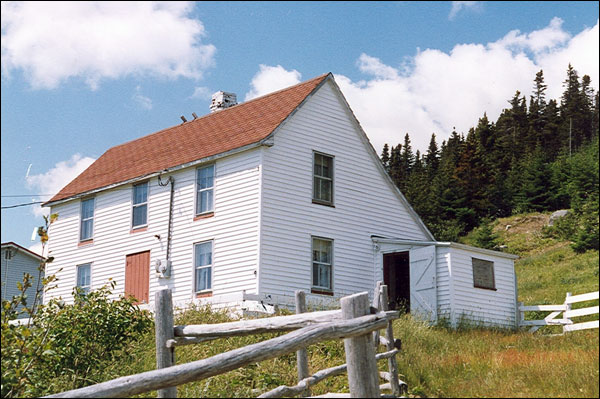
(533, 158)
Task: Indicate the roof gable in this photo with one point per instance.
(216, 133)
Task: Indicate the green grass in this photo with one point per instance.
(436, 361)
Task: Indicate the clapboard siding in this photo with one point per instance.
(482, 305)
(13, 271)
(364, 201)
(234, 229)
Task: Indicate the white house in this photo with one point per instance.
(16, 262)
(254, 201)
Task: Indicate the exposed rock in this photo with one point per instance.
(557, 215)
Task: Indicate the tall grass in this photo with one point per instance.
(436, 361)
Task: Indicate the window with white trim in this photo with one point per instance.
(203, 265)
(84, 277)
(87, 220)
(322, 263)
(205, 180)
(322, 178)
(483, 274)
(140, 205)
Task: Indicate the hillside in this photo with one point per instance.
(436, 361)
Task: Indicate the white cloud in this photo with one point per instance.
(269, 79)
(56, 178)
(141, 100)
(51, 42)
(202, 92)
(445, 90)
(458, 6)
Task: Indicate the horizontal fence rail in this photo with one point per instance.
(355, 326)
(567, 313)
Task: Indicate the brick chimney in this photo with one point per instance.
(222, 100)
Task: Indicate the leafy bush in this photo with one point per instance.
(68, 346)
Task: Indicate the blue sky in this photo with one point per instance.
(79, 78)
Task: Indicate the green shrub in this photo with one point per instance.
(69, 345)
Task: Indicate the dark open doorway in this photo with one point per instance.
(396, 275)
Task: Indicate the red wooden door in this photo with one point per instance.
(137, 276)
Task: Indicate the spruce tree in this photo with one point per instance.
(385, 157)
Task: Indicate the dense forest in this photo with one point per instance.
(536, 157)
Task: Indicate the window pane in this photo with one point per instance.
(203, 254)
(140, 215)
(206, 177)
(203, 279)
(87, 227)
(325, 190)
(140, 193)
(315, 281)
(84, 277)
(87, 209)
(324, 276)
(206, 201)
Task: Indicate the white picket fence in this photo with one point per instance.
(567, 314)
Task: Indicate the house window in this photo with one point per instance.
(84, 277)
(322, 251)
(205, 179)
(87, 219)
(322, 179)
(203, 265)
(140, 205)
(483, 274)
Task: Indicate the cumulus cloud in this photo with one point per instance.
(56, 178)
(271, 78)
(51, 42)
(440, 91)
(458, 6)
(202, 92)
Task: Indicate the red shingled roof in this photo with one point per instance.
(212, 134)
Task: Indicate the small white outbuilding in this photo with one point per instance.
(446, 280)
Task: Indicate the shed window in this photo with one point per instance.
(203, 265)
(323, 179)
(87, 220)
(322, 263)
(84, 277)
(483, 274)
(205, 180)
(140, 205)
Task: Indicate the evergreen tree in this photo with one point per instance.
(432, 158)
(385, 157)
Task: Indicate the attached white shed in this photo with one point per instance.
(456, 282)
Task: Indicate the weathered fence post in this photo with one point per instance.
(377, 305)
(363, 377)
(302, 354)
(163, 321)
(568, 307)
(520, 315)
(389, 335)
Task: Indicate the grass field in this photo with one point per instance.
(436, 361)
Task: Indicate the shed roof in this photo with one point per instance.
(216, 133)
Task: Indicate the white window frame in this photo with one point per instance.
(82, 220)
(313, 262)
(212, 252)
(493, 288)
(198, 190)
(331, 179)
(85, 288)
(134, 205)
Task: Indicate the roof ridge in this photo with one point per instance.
(221, 111)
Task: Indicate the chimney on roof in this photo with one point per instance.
(222, 100)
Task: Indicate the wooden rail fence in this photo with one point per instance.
(355, 322)
(567, 314)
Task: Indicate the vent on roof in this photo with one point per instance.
(222, 100)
